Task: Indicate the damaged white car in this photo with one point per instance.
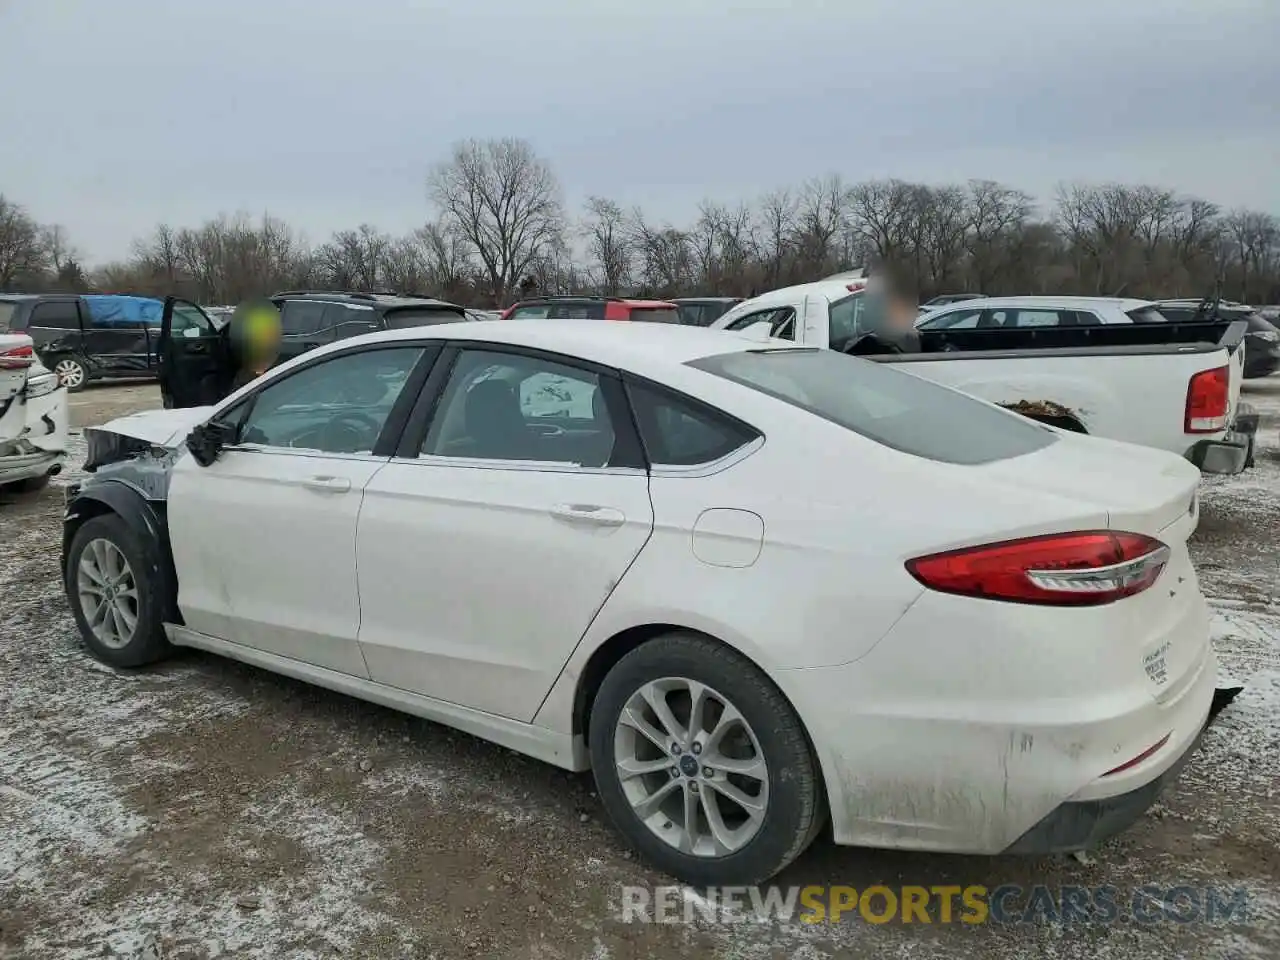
(33, 417)
(728, 576)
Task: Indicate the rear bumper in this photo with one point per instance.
(27, 466)
(1233, 451)
(1082, 824)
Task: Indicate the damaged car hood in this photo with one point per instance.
(159, 428)
(140, 433)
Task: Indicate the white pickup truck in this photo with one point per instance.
(33, 417)
(1171, 386)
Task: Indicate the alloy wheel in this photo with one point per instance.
(70, 373)
(691, 767)
(108, 593)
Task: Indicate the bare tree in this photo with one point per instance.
(608, 244)
(22, 250)
(504, 201)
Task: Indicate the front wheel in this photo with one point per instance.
(71, 374)
(702, 763)
(113, 592)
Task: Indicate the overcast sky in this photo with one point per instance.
(118, 114)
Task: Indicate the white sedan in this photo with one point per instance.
(753, 587)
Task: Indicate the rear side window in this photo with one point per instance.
(655, 314)
(300, 317)
(846, 320)
(56, 315)
(896, 409)
(8, 310)
(420, 317)
(955, 320)
(680, 432)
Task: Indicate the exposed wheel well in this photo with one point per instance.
(86, 510)
(602, 661)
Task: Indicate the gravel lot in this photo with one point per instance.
(207, 809)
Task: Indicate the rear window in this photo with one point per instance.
(896, 409)
(7, 309)
(655, 314)
(418, 317)
(1147, 315)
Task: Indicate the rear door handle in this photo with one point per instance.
(327, 484)
(588, 513)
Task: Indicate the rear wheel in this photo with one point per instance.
(702, 763)
(113, 593)
(71, 373)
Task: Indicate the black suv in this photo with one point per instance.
(196, 362)
(83, 338)
(312, 318)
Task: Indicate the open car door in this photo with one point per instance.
(193, 357)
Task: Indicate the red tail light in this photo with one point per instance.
(1208, 396)
(17, 358)
(1068, 569)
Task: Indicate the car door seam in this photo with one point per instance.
(355, 565)
(648, 489)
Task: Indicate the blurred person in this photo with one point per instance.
(255, 334)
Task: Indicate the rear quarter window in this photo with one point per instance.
(892, 408)
(8, 316)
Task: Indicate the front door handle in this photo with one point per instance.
(327, 484)
(588, 513)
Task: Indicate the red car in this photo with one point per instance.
(593, 308)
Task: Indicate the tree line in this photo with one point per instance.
(500, 229)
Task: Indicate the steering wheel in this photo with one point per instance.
(349, 433)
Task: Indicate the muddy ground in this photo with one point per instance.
(207, 809)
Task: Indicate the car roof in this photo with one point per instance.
(1049, 302)
(707, 300)
(584, 298)
(386, 300)
(642, 348)
(19, 296)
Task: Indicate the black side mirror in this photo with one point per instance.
(207, 440)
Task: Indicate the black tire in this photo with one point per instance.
(29, 485)
(148, 642)
(796, 810)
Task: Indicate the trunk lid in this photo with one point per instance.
(1141, 489)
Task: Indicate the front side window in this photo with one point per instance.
(680, 432)
(895, 409)
(500, 406)
(336, 406)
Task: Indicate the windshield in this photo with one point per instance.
(893, 408)
(7, 309)
(418, 316)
